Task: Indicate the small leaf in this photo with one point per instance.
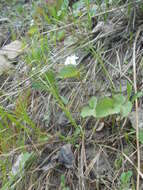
(129, 90)
(125, 177)
(87, 112)
(60, 35)
(93, 11)
(50, 77)
(65, 100)
(69, 71)
(93, 102)
(77, 133)
(51, 82)
(38, 86)
(33, 30)
(137, 95)
(141, 136)
(44, 138)
(77, 6)
(126, 109)
(65, 5)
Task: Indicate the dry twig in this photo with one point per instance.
(136, 104)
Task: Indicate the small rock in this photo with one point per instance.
(132, 117)
(62, 120)
(66, 156)
(5, 64)
(8, 54)
(12, 50)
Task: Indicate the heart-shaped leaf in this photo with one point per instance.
(106, 107)
(87, 112)
(118, 99)
(93, 102)
(126, 109)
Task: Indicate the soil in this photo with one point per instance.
(107, 147)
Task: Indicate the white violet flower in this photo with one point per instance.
(71, 60)
(32, 22)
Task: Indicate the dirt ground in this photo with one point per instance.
(99, 154)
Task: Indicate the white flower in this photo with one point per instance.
(71, 60)
(32, 22)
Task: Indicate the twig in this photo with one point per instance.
(129, 160)
(97, 15)
(136, 104)
(5, 20)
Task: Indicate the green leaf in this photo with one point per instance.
(51, 84)
(93, 102)
(77, 133)
(65, 5)
(78, 5)
(87, 111)
(51, 81)
(69, 71)
(141, 135)
(44, 138)
(129, 90)
(125, 178)
(93, 11)
(38, 86)
(50, 77)
(118, 99)
(106, 107)
(137, 95)
(65, 100)
(33, 30)
(126, 109)
(60, 35)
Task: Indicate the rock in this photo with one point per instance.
(8, 54)
(66, 156)
(62, 119)
(12, 50)
(132, 118)
(5, 64)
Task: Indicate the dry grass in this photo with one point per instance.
(105, 148)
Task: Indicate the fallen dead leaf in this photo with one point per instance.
(100, 126)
